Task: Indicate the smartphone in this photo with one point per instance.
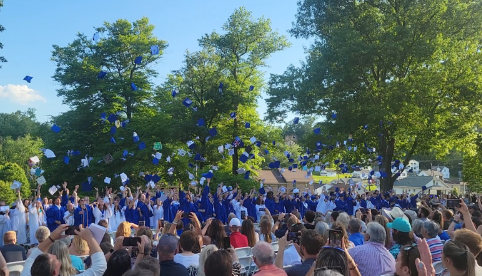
(294, 237)
(335, 237)
(452, 203)
(142, 223)
(131, 241)
(363, 210)
(71, 230)
(186, 215)
(162, 223)
(226, 243)
(261, 209)
(243, 214)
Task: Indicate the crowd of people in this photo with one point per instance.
(173, 232)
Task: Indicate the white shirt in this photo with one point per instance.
(69, 220)
(291, 256)
(187, 261)
(260, 213)
(238, 208)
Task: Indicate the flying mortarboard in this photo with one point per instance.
(296, 120)
(220, 87)
(95, 37)
(142, 145)
(112, 140)
(247, 125)
(243, 158)
(241, 171)
(112, 118)
(133, 87)
(212, 132)
(107, 180)
(101, 75)
(317, 130)
(200, 122)
(66, 159)
(232, 115)
(135, 137)
(154, 50)
(191, 144)
(49, 153)
(156, 178)
(197, 157)
(174, 93)
(157, 146)
(113, 130)
(333, 115)
(28, 79)
(55, 128)
(246, 174)
(138, 60)
(208, 175)
(187, 102)
(251, 88)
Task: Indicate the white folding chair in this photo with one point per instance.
(243, 251)
(438, 266)
(15, 268)
(245, 263)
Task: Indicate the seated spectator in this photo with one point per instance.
(473, 241)
(372, 257)
(208, 250)
(59, 250)
(430, 234)
(405, 263)
(247, 229)
(457, 259)
(187, 242)
(264, 258)
(222, 263)
(354, 228)
(41, 264)
(226, 227)
(423, 213)
(166, 250)
(265, 231)
(151, 250)
(347, 243)
(309, 219)
(41, 234)
(78, 247)
(417, 227)
(310, 244)
(148, 263)
(139, 271)
(3, 266)
(10, 251)
(322, 228)
(119, 262)
(237, 239)
(214, 232)
(383, 221)
(402, 235)
(332, 259)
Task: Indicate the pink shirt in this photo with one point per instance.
(270, 270)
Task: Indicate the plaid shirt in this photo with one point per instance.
(373, 259)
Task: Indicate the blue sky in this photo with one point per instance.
(33, 26)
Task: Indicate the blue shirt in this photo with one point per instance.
(357, 239)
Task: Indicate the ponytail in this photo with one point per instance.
(462, 258)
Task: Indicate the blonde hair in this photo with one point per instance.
(123, 230)
(472, 240)
(9, 237)
(60, 250)
(206, 251)
(81, 247)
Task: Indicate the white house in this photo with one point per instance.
(414, 184)
(444, 170)
(414, 165)
(431, 173)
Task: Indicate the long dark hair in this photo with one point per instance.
(117, 208)
(216, 232)
(218, 263)
(331, 258)
(118, 263)
(247, 229)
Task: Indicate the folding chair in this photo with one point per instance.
(243, 251)
(15, 268)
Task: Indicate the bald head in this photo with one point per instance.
(263, 254)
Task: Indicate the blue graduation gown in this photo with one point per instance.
(289, 205)
(132, 215)
(413, 201)
(340, 205)
(84, 219)
(269, 203)
(279, 207)
(363, 203)
(144, 214)
(54, 213)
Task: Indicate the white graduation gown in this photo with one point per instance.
(4, 226)
(158, 213)
(35, 220)
(18, 221)
(99, 215)
(116, 219)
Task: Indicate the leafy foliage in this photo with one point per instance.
(406, 70)
(8, 173)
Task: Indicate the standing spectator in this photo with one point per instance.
(265, 231)
(372, 257)
(118, 263)
(264, 258)
(166, 250)
(42, 233)
(457, 259)
(288, 252)
(310, 244)
(448, 216)
(59, 250)
(423, 213)
(354, 228)
(237, 239)
(383, 221)
(430, 233)
(11, 251)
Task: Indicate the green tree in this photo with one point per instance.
(406, 70)
(2, 59)
(242, 51)
(8, 173)
(19, 150)
(89, 95)
(19, 123)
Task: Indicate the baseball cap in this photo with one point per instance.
(400, 224)
(235, 222)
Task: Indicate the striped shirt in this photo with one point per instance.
(436, 248)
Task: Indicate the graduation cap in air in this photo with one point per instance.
(133, 87)
(200, 122)
(208, 175)
(241, 171)
(212, 132)
(266, 151)
(333, 115)
(191, 144)
(174, 93)
(113, 130)
(112, 140)
(55, 128)
(101, 75)
(251, 87)
(112, 118)
(243, 158)
(317, 130)
(274, 143)
(187, 102)
(87, 186)
(247, 125)
(232, 115)
(142, 145)
(138, 60)
(248, 149)
(258, 143)
(154, 50)
(296, 120)
(28, 79)
(155, 178)
(95, 37)
(135, 137)
(246, 174)
(220, 87)
(66, 159)
(197, 157)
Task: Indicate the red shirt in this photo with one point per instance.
(238, 240)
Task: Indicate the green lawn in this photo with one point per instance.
(325, 179)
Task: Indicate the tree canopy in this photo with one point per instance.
(393, 78)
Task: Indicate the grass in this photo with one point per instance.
(325, 179)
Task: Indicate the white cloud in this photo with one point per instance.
(20, 94)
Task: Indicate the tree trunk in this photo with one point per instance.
(235, 155)
(387, 147)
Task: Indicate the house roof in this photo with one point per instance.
(298, 175)
(437, 167)
(413, 181)
(432, 172)
(271, 177)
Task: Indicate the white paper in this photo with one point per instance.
(97, 231)
(253, 140)
(123, 177)
(49, 153)
(41, 180)
(53, 190)
(15, 185)
(221, 149)
(32, 171)
(227, 146)
(158, 155)
(317, 168)
(35, 159)
(168, 159)
(224, 189)
(107, 180)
